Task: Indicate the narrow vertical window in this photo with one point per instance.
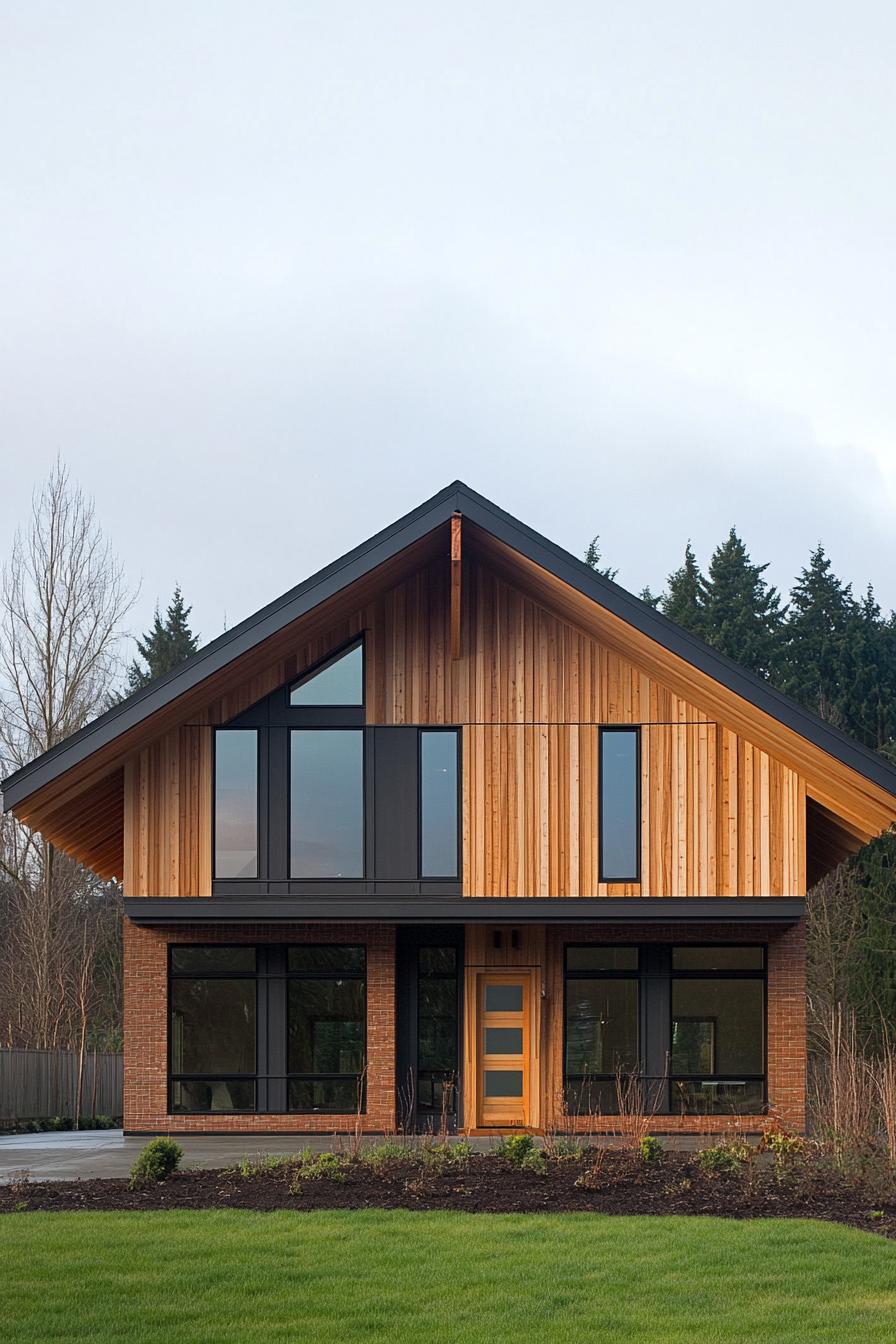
(236, 802)
(327, 803)
(619, 805)
(438, 803)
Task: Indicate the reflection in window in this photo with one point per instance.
(213, 1039)
(438, 804)
(327, 803)
(717, 1045)
(236, 802)
(619, 821)
(437, 1027)
(602, 1025)
(340, 682)
(325, 1028)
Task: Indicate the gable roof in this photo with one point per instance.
(386, 545)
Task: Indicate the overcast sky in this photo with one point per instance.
(271, 274)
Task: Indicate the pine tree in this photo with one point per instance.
(813, 662)
(652, 599)
(742, 612)
(870, 673)
(164, 645)
(592, 558)
(682, 601)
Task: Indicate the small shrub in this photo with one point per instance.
(559, 1148)
(720, 1158)
(102, 1122)
(515, 1148)
(534, 1162)
(317, 1167)
(438, 1157)
(32, 1127)
(266, 1162)
(59, 1122)
(386, 1154)
(22, 1207)
(650, 1149)
(157, 1161)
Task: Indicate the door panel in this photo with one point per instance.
(503, 1031)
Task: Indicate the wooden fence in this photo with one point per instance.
(41, 1084)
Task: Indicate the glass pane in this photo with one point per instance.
(601, 1026)
(619, 806)
(718, 958)
(340, 683)
(325, 1027)
(437, 1024)
(438, 960)
(315, 958)
(213, 1026)
(227, 1094)
(211, 960)
(602, 958)
(503, 1082)
(327, 803)
(236, 803)
(503, 1040)
(590, 1096)
(438, 804)
(323, 1094)
(722, 1098)
(503, 998)
(718, 1026)
(436, 1092)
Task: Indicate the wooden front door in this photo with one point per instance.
(504, 1049)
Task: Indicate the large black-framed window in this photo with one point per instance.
(601, 1025)
(688, 1020)
(619, 805)
(269, 1028)
(438, 1030)
(339, 805)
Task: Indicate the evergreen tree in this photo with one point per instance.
(682, 601)
(652, 599)
(742, 612)
(870, 674)
(164, 645)
(592, 558)
(813, 663)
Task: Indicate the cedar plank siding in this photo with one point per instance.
(720, 817)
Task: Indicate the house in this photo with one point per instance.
(458, 831)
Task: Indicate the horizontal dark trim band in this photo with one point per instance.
(468, 910)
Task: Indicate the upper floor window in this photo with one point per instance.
(236, 802)
(438, 802)
(326, 803)
(620, 839)
(338, 681)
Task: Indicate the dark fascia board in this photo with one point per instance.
(456, 497)
(468, 910)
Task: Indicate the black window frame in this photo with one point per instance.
(454, 729)
(271, 1027)
(602, 874)
(656, 978)
(425, 1112)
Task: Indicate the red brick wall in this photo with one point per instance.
(146, 1027)
(786, 1021)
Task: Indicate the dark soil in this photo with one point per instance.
(610, 1181)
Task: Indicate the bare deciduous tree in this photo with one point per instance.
(62, 603)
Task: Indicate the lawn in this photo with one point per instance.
(337, 1277)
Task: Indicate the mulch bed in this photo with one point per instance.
(620, 1184)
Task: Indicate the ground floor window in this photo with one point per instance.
(685, 1024)
(268, 1029)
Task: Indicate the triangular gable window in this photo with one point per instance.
(338, 682)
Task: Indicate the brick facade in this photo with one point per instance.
(146, 1028)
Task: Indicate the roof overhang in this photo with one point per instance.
(173, 911)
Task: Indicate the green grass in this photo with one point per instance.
(333, 1278)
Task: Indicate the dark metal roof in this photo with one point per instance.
(466, 910)
(456, 497)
